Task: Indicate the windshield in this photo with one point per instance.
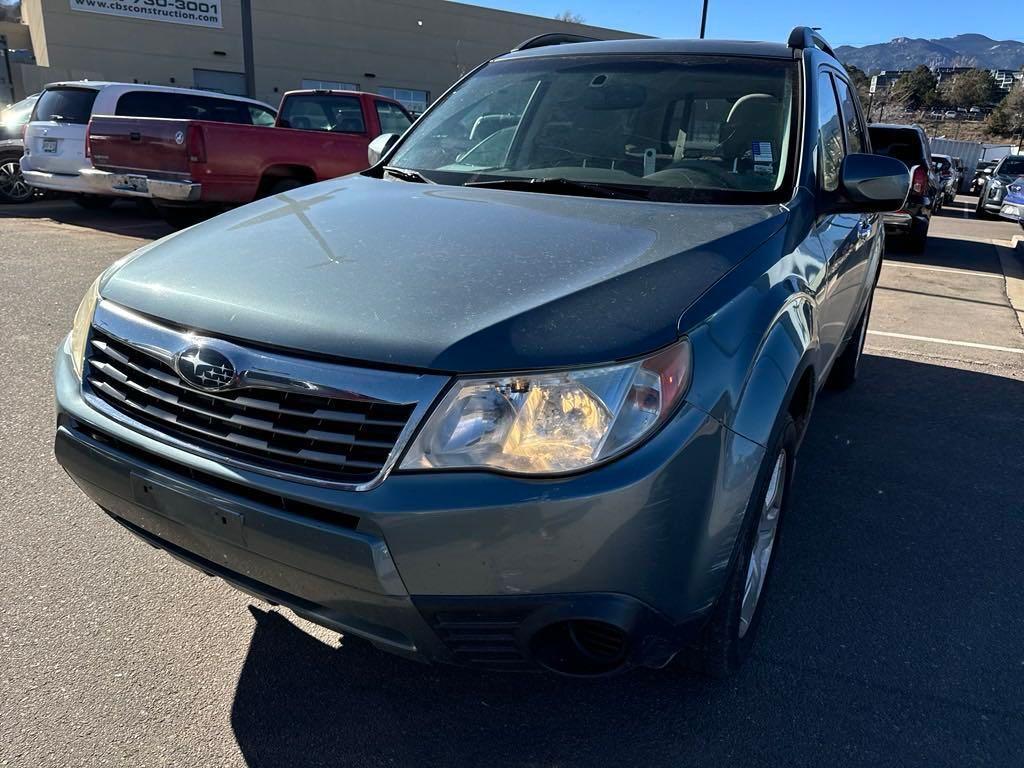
(941, 163)
(17, 114)
(673, 128)
(1012, 166)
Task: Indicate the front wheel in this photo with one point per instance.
(917, 237)
(13, 187)
(729, 635)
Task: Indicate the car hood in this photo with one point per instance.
(444, 278)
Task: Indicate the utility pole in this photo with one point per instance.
(704, 19)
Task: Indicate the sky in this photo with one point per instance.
(849, 22)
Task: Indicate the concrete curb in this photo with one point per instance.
(1011, 259)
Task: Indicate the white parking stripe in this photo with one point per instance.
(905, 265)
(947, 341)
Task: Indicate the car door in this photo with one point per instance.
(841, 235)
(56, 135)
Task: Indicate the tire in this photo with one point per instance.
(729, 635)
(979, 209)
(13, 188)
(93, 202)
(182, 217)
(917, 237)
(844, 370)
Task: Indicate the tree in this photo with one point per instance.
(860, 81)
(569, 16)
(915, 89)
(1008, 117)
(973, 88)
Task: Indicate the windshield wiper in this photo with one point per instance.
(407, 175)
(560, 186)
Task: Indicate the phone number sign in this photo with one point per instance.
(196, 13)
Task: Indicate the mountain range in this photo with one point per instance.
(969, 50)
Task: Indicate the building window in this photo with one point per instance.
(414, 101)
(329, 85)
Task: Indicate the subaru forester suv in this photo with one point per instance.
(529, 391)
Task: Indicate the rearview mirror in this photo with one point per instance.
(870, 184)
(380, 146)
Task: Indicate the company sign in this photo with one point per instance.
(196, 13)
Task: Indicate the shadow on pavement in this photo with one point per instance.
(892, 635)
(124, 217)
(948, 252)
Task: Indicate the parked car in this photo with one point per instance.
(950, 114)
(981, 173)
(909, 145)
(542, 411)
(993, 189)
(189, 167)
(1013, 202)
(947, 176)
(56, 136)
(13, 188)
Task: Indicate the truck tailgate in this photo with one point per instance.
(155, 146)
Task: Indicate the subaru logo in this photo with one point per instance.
(179, 137)
(205, 368)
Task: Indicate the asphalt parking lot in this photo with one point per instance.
(893, 631)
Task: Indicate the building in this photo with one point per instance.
(1008, 78)
(409, 49)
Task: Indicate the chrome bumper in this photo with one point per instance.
(106, 183)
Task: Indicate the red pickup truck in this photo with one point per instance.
(189, 167)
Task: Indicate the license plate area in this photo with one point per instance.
(50, 146)
(211, 516)
(131, 183)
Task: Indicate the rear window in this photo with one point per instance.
(902, 144)
(323, 112)
(65, 105)
(187, 106)
(942, 163)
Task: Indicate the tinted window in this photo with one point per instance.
(904, 144)
(392, 119)
(942, 164)
(830, 134)
(323, 112)
(854, 128)
(65, 105)
(187, 106)
(1012, 166)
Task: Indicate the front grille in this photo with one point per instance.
(329, 438)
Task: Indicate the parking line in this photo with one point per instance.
(905, 265)
(951, 342)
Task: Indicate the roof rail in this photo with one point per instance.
(552, 38)
(807, 37)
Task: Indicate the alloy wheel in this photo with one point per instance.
(764, 543)
(12, 184)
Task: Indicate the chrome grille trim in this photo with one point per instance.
(151, 400)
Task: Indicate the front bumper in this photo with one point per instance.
(993, 200)
(454, 567)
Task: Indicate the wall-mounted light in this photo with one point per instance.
(220, 53)
(369, 74)
(171, 80)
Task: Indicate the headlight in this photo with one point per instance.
(551, 422)
(80, 327)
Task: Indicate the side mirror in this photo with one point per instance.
(380, 146)
(870, 184)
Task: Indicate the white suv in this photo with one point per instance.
(57, 135)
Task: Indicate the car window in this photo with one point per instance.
(187, 106)
(830, 134)
(683, 128)
(261, 116)
(903, 144)
(65, 105)
(854, 127)
(1011, 166)
(942, 163)
(392, 119)
(323, 112)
